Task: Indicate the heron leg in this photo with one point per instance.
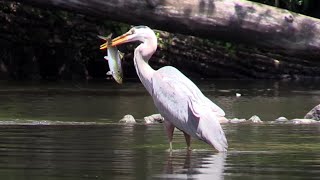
(169, 130)
(188, 138)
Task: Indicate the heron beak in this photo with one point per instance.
(116, 41)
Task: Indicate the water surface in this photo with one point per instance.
(59, 131)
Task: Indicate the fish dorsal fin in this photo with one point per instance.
(121, 54)
(106, 58)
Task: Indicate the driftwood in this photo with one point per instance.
(231, 20)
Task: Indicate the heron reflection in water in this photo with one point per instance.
(176, 97)
(194, 165)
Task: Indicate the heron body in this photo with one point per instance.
(176, 97)
(186, 108)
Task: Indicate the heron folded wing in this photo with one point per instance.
(199, 105)
(214, 107)
(194, 107)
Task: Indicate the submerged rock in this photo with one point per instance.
(236, 120)
(154, 118)
(303, 121)
(255, 119)
(281, 119)
(128, 119)
(314, 113)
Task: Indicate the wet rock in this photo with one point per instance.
(127, 119)
(236, 120)
(303, 121)
(223, 120)
(281, 119)
(314, 113)
(154, 118)
(255, 119)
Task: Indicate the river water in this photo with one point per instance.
(70, 131)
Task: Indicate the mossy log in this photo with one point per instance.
(229, 20)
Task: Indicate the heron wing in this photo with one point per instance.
(173, 79)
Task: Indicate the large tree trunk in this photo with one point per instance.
(54, 44)
(231, 20)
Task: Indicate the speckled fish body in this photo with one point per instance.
(114, 61)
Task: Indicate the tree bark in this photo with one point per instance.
(229, 20)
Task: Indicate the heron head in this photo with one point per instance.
(137, 33)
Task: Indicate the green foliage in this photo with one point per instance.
(164, 39)
(230, 48)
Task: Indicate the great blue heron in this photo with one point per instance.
(176, 97)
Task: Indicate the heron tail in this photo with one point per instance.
(211, 131)
(208, 127)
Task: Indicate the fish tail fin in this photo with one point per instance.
(108, 38)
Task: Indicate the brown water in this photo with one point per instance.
(51, 131)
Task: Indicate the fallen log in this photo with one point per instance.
(229, 20)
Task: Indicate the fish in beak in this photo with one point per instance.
(114, 59)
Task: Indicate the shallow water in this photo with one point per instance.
(52, 131)
(109, 102)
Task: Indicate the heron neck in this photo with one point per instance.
(142, 54)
